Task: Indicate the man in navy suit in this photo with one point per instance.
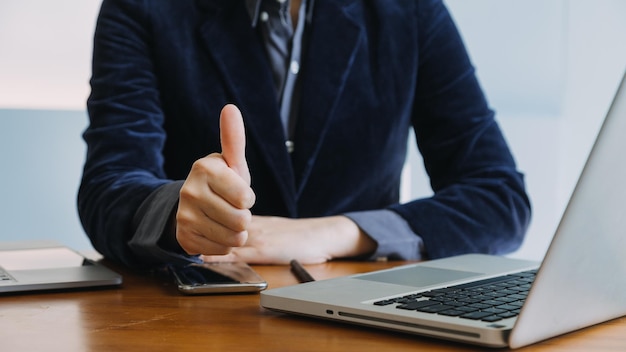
(271, 130)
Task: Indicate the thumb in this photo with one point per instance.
(233, 139)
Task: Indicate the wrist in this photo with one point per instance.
(352, 240)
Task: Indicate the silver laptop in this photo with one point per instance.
(45, 265)
(496, 301)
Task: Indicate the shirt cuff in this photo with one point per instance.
(395, 238)
(153, 239)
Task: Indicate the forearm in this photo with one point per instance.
(106, 205)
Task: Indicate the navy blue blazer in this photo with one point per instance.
(162, 71)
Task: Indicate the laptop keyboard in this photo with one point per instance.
(487, 300)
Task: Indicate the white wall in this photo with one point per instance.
(45, 52)
(549, 68)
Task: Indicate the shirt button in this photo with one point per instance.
(289, 145)
(294, 67)
(263, 16)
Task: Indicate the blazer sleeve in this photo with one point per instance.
(125, 138)
(479, 202)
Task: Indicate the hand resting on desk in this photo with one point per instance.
(278, 240)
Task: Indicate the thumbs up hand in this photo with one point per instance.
(214, 207)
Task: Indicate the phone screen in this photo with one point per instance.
(217, 278)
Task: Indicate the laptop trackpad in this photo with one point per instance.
(418, 276)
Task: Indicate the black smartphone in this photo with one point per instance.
(217, 277)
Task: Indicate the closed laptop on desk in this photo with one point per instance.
(42, 265)
(496, 301)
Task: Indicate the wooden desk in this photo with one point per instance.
(148, 314)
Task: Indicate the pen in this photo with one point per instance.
(300, 272)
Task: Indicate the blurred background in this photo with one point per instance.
(549, 68)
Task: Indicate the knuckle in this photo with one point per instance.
(183, 219)
(188, 193)
(241, 220)
(244, 198)
(239, 239)
(206, 166)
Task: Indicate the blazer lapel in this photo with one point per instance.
(238, 53)
(334, 36)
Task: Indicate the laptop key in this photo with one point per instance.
(417, 304)
(385, 302)
(507, 307)
(503, 300)
(518, 296)
(467, 309)
(452, 312)
(494, 310)
(435, 308)
(507, 315)
(478, 315)
(492, 318)
(480, 305)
